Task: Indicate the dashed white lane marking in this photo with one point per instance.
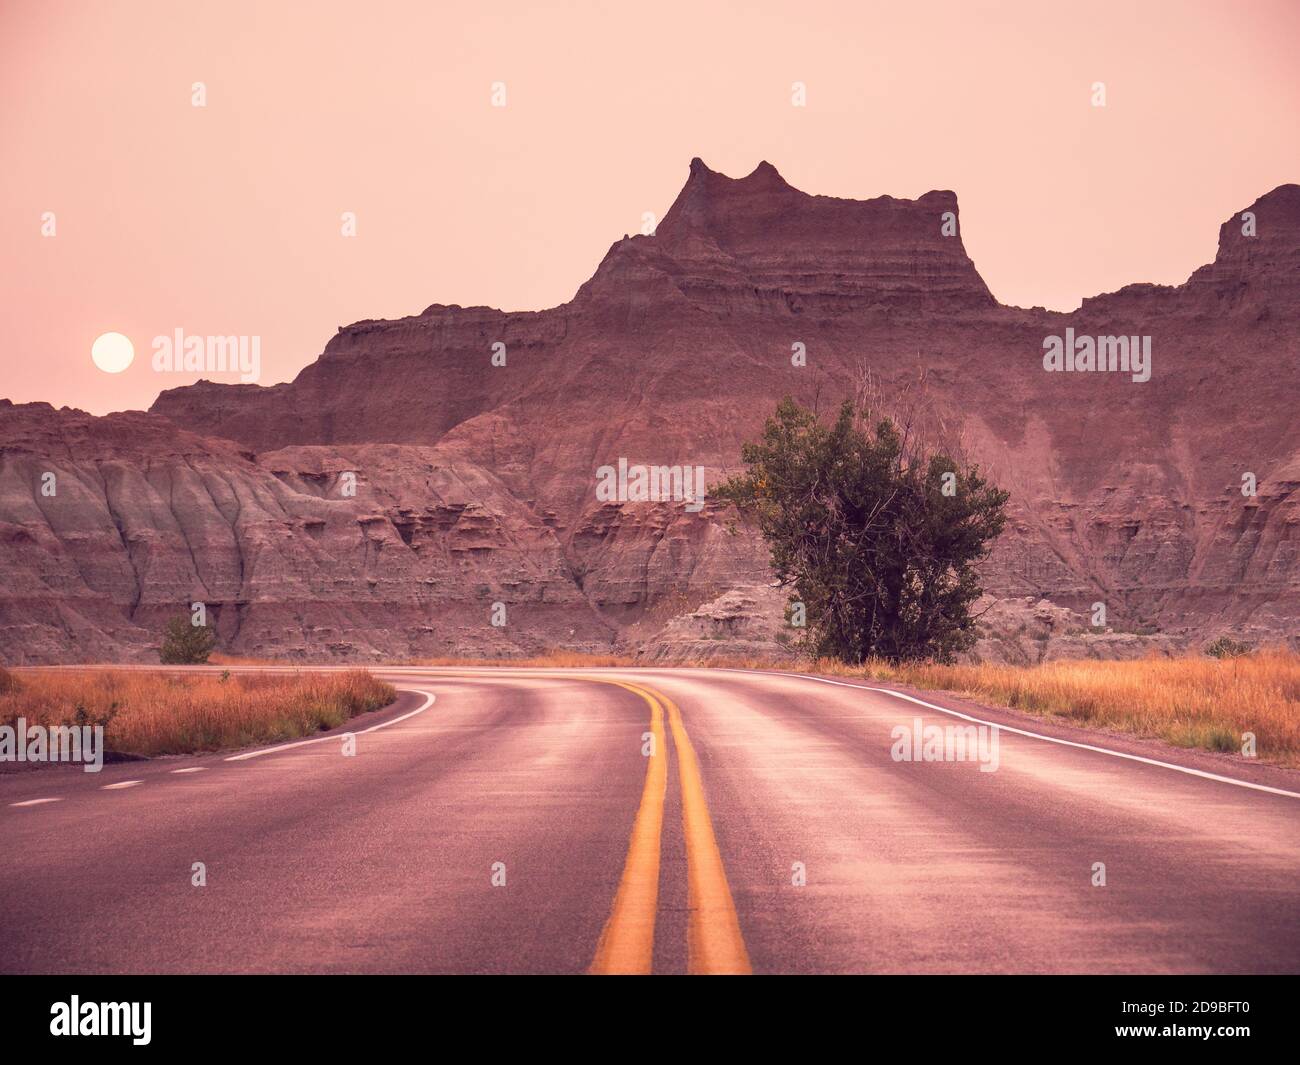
(190, 769)
(1026, 732)
(429, 698)
(120, 785)
(34, 802)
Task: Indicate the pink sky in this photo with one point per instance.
(226, 219)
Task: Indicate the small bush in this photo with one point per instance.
(186, 644)
(1226, 647)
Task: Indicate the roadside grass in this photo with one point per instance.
(220, 658)
(1191, 701)
(160, 713)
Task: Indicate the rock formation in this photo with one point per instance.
(475, 482)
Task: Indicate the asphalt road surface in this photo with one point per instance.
(705, 821)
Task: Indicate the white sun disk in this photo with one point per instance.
(112, 352)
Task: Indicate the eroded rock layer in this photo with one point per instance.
(475, 482)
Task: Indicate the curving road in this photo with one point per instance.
(524, 820)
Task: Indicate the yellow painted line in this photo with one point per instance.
(714, 942)
(627, 943)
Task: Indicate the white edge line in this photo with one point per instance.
(429, 698)
(1024, 732)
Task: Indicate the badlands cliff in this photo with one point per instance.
(475, 482)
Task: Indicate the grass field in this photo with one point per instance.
(1190, 701)
(158, 713)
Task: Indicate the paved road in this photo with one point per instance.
(512, 821)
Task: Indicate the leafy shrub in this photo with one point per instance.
(186, 644)
(1226, 647)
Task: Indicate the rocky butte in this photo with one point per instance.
(475, 483)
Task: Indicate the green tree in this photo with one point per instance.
(879, 540)
(186, 644)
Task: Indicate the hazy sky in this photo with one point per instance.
(226, 219)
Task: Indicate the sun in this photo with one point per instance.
(112, 352)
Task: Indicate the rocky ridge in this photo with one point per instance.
(475, 482)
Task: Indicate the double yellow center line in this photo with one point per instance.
(714, 941)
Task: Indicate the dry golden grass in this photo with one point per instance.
(159, 713)
(1191, 701)
(220, 658)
